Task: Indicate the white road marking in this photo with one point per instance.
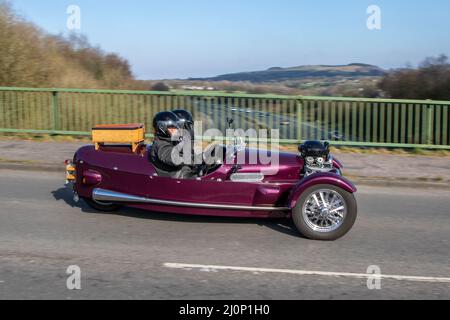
(306, 272)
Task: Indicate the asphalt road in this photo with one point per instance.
(125, 255)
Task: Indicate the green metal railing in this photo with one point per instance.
(345, 121)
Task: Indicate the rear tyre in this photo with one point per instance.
(325, 212)
(102, 206)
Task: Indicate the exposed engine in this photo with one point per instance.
(317, 157)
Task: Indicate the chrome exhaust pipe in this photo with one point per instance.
(103, 195)
(112, 196)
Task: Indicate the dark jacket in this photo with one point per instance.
(161, 157)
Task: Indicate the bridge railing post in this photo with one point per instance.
(299, 120)
(55, 112)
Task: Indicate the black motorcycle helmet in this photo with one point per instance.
(163, 121)
(186, 119)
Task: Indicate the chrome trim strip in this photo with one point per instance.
(112, 196)
(247, 177)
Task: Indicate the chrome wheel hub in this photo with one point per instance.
(324, 213)
(324, 210)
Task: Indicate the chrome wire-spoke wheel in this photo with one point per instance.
(324, 210)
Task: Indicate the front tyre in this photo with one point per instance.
(102, 206)
(325, 212)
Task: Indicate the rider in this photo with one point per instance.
(201, 160)
(187, 126)
(167, 144)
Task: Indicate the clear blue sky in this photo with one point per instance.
(190, 38)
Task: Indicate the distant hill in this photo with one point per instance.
(277, 74)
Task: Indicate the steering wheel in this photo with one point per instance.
(211, 160)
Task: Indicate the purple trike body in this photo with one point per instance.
(118, 175)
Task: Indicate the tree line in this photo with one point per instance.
(29, 57)
(431, 80)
